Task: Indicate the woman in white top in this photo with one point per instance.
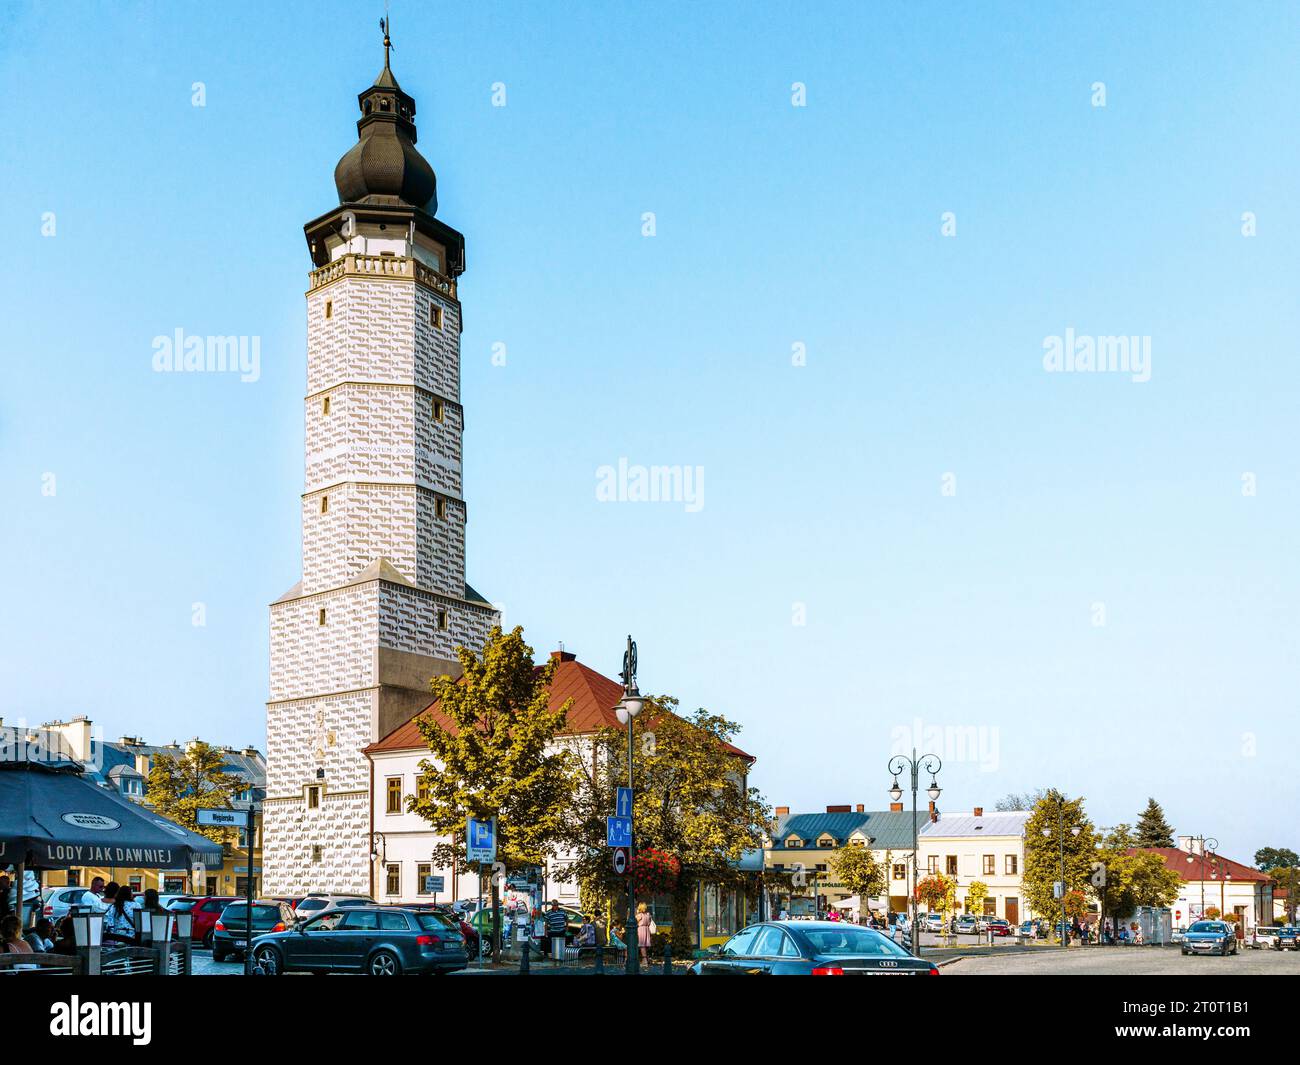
(119, 918)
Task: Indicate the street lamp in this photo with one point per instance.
(1074, 831)
(88, 928)
(1205, 842)
(627, 711)
(926, 763)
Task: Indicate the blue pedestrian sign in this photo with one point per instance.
(623, 805)
(481, 840)
(618, 831)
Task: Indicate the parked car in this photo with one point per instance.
(316, 903)
(472, 939)
(931, 922)
(1265, 937)
(811, 948)
(1288, 937)
(999, 927)
(1210, 937)
(206, 910)
(967, 925)
(376, 940)
(57, 901)
(230, 933)
(292, 900)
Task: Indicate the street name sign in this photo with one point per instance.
(220, 818)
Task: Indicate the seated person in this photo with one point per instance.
(41, 937)
(11, 940)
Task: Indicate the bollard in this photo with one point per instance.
(525, 950)
(668, 959)
(599, 969)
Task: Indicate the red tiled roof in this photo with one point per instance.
(1176, 860)
(594, 698)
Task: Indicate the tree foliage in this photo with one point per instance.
(690, 800)
(858, 870)
(1268, 859)
(1019, 801)
(1057, 822)
(939, 893)
(499, 756)
(1152, 828)
(975, 896)
(179, 785)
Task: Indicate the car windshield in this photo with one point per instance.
(309, 905)
(1207, 926)
(852, 940)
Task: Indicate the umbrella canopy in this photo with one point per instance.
(51, 817)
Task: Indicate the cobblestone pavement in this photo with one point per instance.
(1131, 961)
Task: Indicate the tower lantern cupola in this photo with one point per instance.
(384, 165)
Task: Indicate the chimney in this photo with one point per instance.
(934, 813)
(562, 655)
(783, 811)
(860, 808)
(896, 807)
(979, 811)
(839, 809)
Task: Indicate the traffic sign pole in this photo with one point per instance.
(249, 829)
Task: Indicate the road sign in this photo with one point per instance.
(620, 860)
(434, 884)
(623, 805)
(1058, 889)
(220, 818)
(481, 840)
(618, 831)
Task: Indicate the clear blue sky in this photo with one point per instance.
(776, 225)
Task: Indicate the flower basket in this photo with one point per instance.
(654, 872)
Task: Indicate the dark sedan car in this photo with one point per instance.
(230, 933)
(812, 948)
(1210, 937)
(379, 941)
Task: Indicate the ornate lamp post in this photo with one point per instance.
(1060, 833)
(926, 763)
(627, 710)
(1205, 842)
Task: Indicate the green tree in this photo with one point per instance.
(1056, 821)
(179, 785)
(939, 893)
(1152, 828)
(1134, 878)
(494, 753)
(1269, 858)
(975, 896)
(691, 800)
(859, 871)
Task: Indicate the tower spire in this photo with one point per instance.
(386, 24)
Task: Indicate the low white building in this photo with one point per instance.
(975, 846)
(1212, 882)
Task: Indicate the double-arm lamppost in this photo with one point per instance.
(926, 763)
(1205, 843)
(627, 711)
(1060, 834)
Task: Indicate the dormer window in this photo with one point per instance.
(793, 842)
(826, 841)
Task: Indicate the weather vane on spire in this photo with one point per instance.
(384, 24)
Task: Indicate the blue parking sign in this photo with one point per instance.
(623, 804)
(618, 831)
(481, 840)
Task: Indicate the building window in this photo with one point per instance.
(424, 869)
(440, 508)
(900, 871)
(329, 308)
(320, 618)
(442, 620)
(421, 790)
(315, 857)
(821, 868)
(435, 316)
(324, 504)
(439, 412)
(394, 880)
(394, 795)
(826, 841)
(1012, 865)
(932, 864)
(950, 864)
(313, 797)
(990, 864)
(794, 843)
(325, 405)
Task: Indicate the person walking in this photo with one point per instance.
(644, 930)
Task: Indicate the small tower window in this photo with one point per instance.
(329, 308)
(435, 316)
(438, 411)
(324, 504)
(315, 852)
(320, 618)
(313, 797)
(440, 508)
(325, 405)
(442, 620)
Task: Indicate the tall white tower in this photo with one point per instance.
(383, 602)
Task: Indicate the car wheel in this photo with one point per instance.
(269, 959)
(384, 963)
(219, 957)
(208, 940)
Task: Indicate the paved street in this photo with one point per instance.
(1134, 961)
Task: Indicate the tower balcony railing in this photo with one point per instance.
(353, 264)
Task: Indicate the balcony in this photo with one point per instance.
(396, 267)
